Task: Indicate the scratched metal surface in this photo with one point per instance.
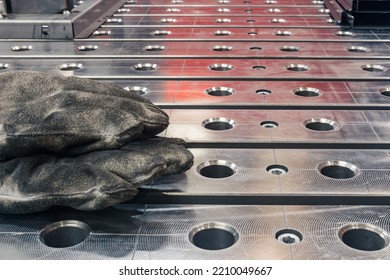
(278, 103)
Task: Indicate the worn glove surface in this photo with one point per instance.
(91, 181)
(46, 113)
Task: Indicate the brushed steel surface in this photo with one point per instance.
(278, 104)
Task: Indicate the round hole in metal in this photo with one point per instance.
(247, 2)
(21, 48)
(255, 48)
(278, 20)
(274, 10)
(297, 67)
(289, 236)
(338, 169)
(344, 33)
(217, 169)
(263, 91)
(222, 33)
(168, 20)
(250, 20)
(221, 67)
(277, 169)
(317, 2)
(219, 124)
(222, 48)
(271, 2)
(269, 124)
(224, 1)
(137, 90)
(220, 91)
(289, 49)
(154, 48)
(223, 20)
(114, 20)
(259, 67)
(364, 237)
(70, 67)
(87, 48)
(320, 124)
(64, 234)
(373, 68)
(101, 32)
(145, 66)
(173, 10)
(358, 49)
(385, 92)
(248, 11)
(283, 33)
(177, 1)
(161, 33)
(223, 10)
(4, 66)
(307, 92)
(252, 33)
(213, 236)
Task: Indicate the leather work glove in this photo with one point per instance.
(41, 113)
(90, 181)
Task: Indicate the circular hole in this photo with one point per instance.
(252, 33)
(87, 48)
(168, 20)
(259, 67)
(271, 2)
(101, 32)
(317, 2)
(385, 92)
(255, 48)
(274, 10)
(263, 91)
(222, 48)
(137, 90)
(277, 169)
(248, 11)
(338, 169)
(324, 11)
(123, 10)
(219, 124)
(4, 66)
(283, 33)
(373, 68)
(289, 49)
(222, 33)
(289, 236)
(223, 20)
(161, 33)
(250, 20)
(364, 237)
(64, 234)
(220, 91)
(114, 20)
(145, 66)
(278, 20)
(224, 1)
(213, 236)
(223, 10)
(297, 67)
(269, 124)
(344, 33)
(247, 2)
(320, 124)
(21, 48)
(307, 91)
(154, 48)
(70, 67)
(358, 49)
(173, 10)
(221, 67)
(177, 1)
(216, 169)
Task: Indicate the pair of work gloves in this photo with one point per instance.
(79, 143)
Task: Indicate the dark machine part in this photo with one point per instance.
(38, 7)
(285, 111)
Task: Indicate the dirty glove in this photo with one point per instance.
(42, 113)
(90, 181)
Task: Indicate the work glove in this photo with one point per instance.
(90, 181)
(41, 113)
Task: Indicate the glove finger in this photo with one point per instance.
(88, 182)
